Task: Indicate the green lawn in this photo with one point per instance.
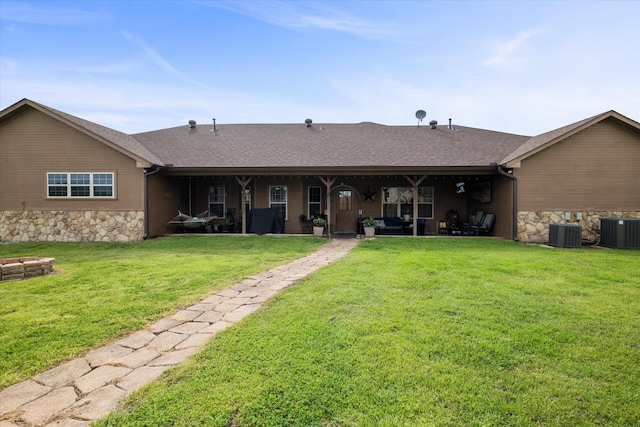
(419, 332)
(101, 291)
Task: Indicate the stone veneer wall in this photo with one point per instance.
(533, 227)
(71, 226)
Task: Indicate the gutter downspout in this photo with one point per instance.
(147, 174)
(515, 200)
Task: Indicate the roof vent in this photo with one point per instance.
(433, 124)
(192, 124)
(308, 122)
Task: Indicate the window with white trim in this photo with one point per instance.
(278, 198)
(72, 185)
(314, 202)
(216, 201)
(398, 201)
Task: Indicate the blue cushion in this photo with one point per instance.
(393, 221)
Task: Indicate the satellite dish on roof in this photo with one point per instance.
(420, 114)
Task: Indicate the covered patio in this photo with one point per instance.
(419, 203)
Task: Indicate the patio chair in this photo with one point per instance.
(476, 221)
(305, 224)
(485, 227)
(421, 222)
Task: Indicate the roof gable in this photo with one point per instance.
(126, 144)
(543, 141)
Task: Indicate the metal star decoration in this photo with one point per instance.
(369, 195)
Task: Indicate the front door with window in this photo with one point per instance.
(345, 219)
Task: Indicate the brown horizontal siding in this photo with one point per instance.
(33, 144)
(164, 203)
(596, 169)
(502, 206)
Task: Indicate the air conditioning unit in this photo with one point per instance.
(620, 233)
(565, 235)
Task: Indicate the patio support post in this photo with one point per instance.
(328, 182)
(244, 181)
(147, 173)
(415, 182)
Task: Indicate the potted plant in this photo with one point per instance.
(318, 226)
(370, 226)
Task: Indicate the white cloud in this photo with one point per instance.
(8, 65)
(122, 68)
(305, 15)
(510, 52)
(40, 13)
(157, 59)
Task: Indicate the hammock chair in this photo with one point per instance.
(192, 222)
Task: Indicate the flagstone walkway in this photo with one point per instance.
(88, 388)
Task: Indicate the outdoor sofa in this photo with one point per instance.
(386, 225)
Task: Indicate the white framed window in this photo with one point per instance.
(216, 201)
(398, 201)
(314, 202)
(278, 198)
(425, 202)
(80, 185)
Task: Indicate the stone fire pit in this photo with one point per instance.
(25, 267)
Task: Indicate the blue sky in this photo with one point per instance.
(524, 67)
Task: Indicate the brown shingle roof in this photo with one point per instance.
(359, 145)
(320, 146)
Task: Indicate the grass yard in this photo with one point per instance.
(424, 332)
(102, 291)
